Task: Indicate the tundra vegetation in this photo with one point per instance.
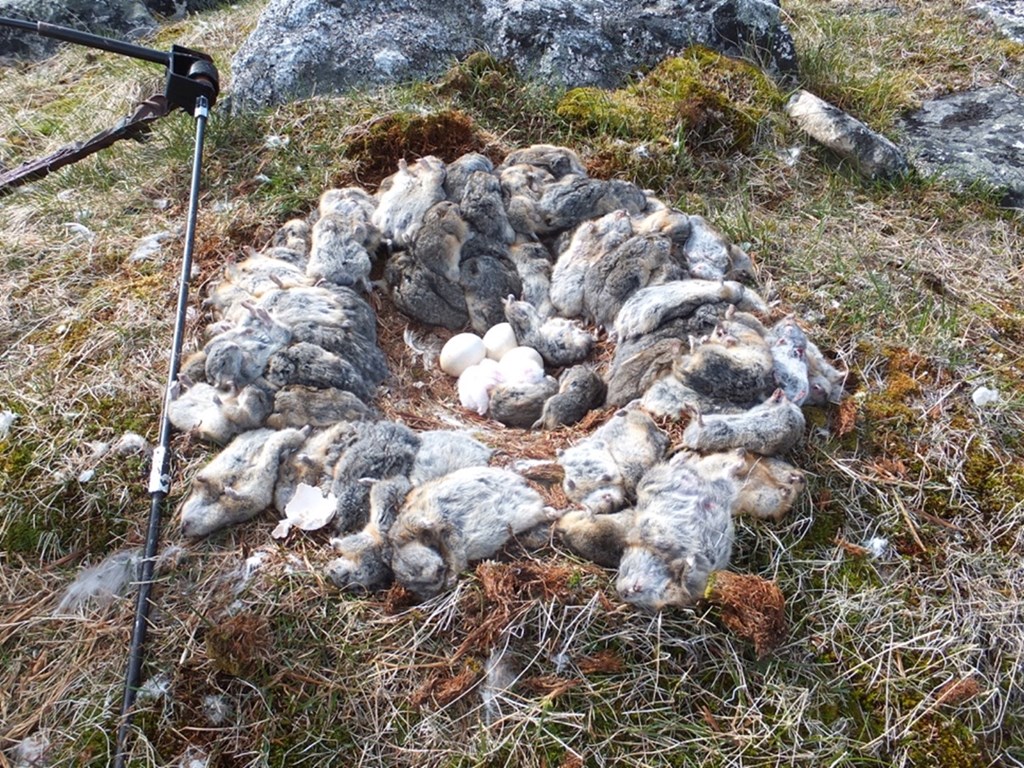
(901, 564)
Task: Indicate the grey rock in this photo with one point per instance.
(972, 136)
(870, 153)
(304, 46)
(1008, 15)
(596, 42)
(114, 18)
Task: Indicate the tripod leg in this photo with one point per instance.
(159, 477)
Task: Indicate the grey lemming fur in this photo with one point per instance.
(559, 341)
(364, 563)
(652, 307)
(423, 294)
(488, 280)
(382, 450)
(296, 406)
(772, 427)
(406, 196)
(218, 416)
(520, 405)
(580, 390)
(239, 482)
(465, 516)
(460, 170)
(443, 451)
(599, 538)
(682, 531)
(438, 242)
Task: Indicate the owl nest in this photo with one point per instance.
(652, 409)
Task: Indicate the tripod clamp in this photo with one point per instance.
(190, 74)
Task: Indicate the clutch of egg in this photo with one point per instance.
(482, 364)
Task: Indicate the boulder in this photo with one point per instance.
(301, 47)
(972, 136)
(120, 19)
(873, 155)
(1008, 15)
(113, 18)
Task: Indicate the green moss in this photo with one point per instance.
(111, 417)
(17, 472)
(702, 100)
(57, 515)
(16, 459)
(92, 745)
(996, 487)
(21, 536)
(600, 113)
(1010, 327)
(521, 112)
(237, 646)
(822, 533)
(657, 165)
(938, 742)
(817, 417)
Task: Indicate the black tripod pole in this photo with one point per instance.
(160, 476)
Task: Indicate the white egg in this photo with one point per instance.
(460, 352)
(523, 353)
(499, 340)
(522, 365)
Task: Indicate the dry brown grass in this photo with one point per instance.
(907, 655)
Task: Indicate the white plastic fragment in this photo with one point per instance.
(877, 546)
(218, 709)
(102, 583)
(130, 442)
(80, 229)
(31, 752)
(427, 351)
(156, 688)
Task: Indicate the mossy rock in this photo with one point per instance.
(702, 99)
(447, 134)
(604, 113)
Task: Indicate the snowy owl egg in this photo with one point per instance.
(499, 340)
(460, 352)
(522, 365)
